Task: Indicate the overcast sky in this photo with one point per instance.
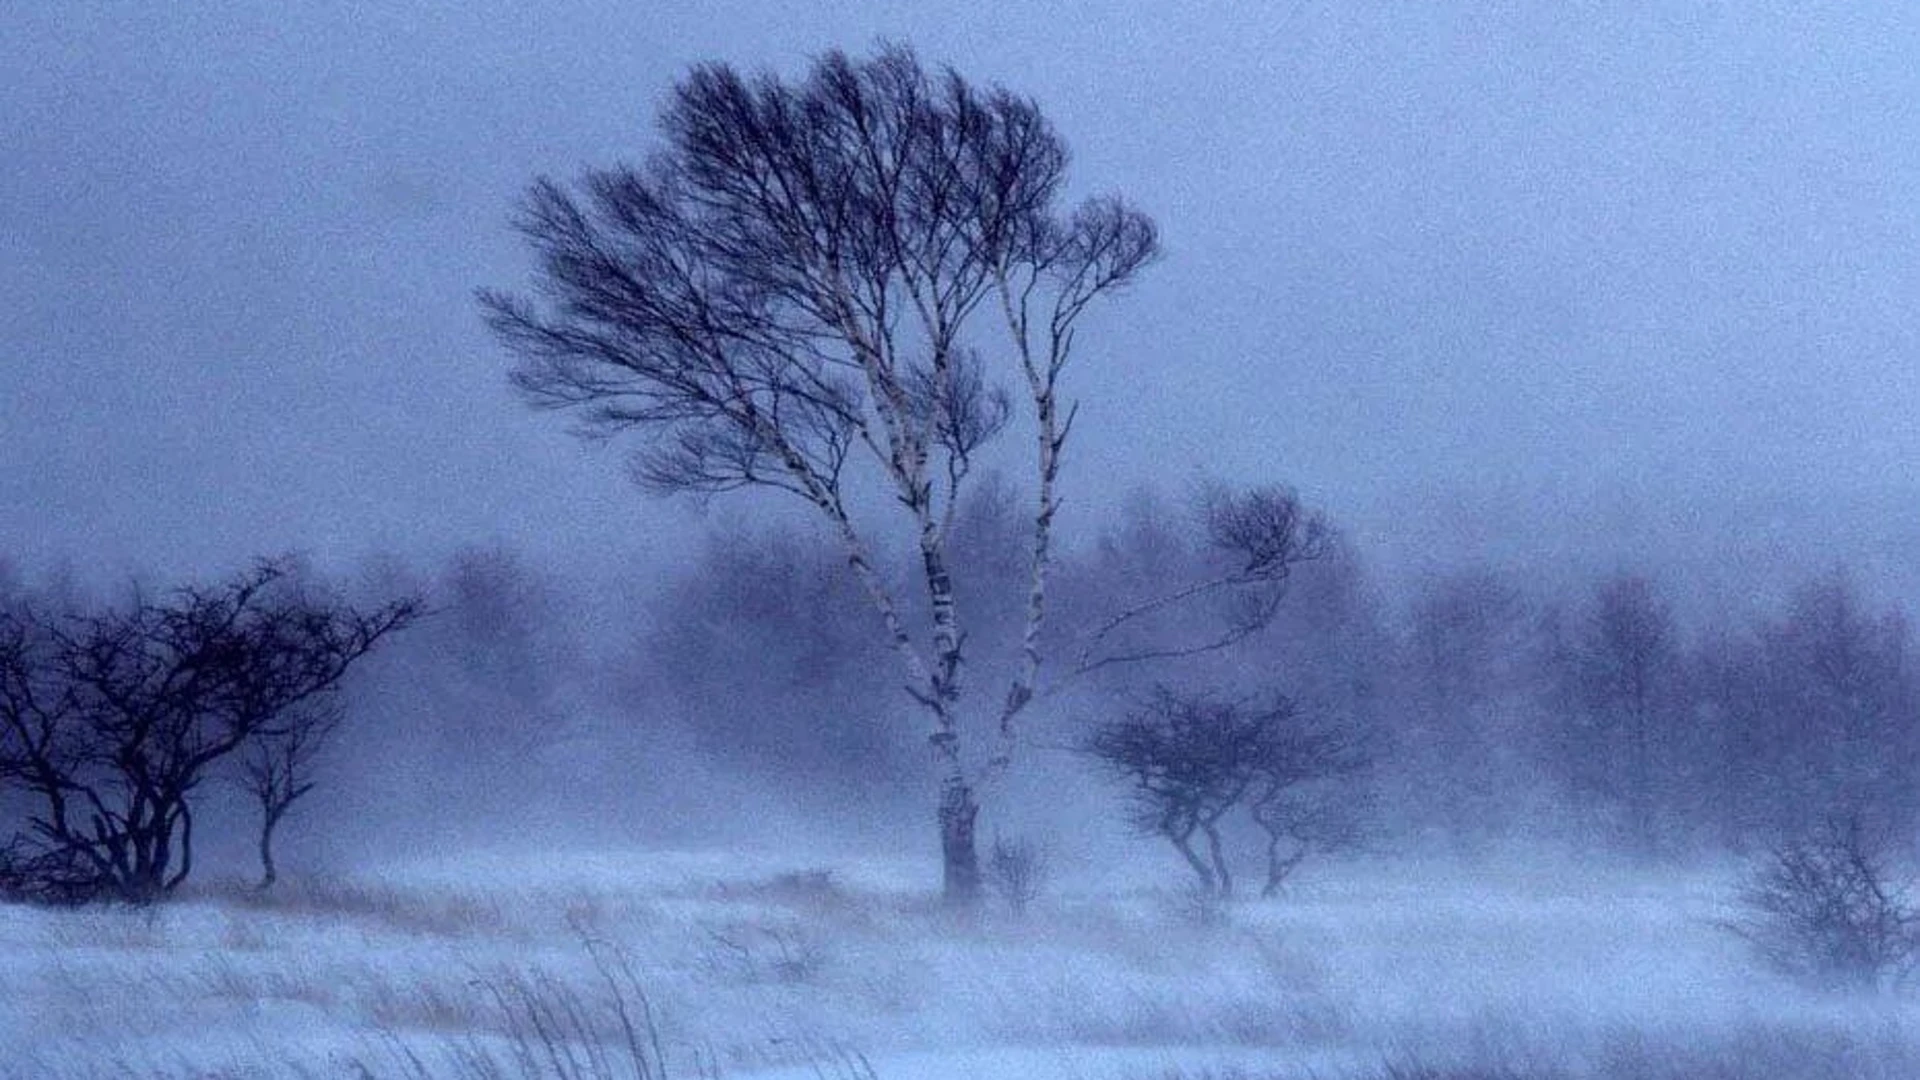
(1573, 281)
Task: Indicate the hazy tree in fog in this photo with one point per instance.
(765, 623)
(1628, 670)
(1839, 705)
(277, 770)
(1465, 738)
(111, 721)
(504, 626)
(1811, 714)
(1721, 672)
(795, 294)
(1189, 760)
(476, 705)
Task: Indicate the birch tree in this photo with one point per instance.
(825, 287)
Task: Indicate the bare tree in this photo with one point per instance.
(1191, 759)
(1826, 906)
(1467, 664)
(798, 292)
(111, 721)
(1630, 675)
(277, 770)
(1817, 708)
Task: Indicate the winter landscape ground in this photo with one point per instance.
(723, 964)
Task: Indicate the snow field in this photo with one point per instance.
(729, 964)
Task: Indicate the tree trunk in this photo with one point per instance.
(1183, 843)
(1279, 866)
(1642, 805)
(146, 879)
(185, 817)
(145, 882)
(960, 855)
(268, 873)
(1222, 876)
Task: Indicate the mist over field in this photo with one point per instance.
(1102, 540)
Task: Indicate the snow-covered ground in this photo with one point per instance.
(762, 967)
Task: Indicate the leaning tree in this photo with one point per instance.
(111, 721)
(822, 287)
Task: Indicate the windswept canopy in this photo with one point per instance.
(790, 277)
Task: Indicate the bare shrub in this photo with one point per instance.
(60, 877)
(805, 890)
(1017, 871)
(1826, 907)
(111, 722)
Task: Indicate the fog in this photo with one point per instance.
(1564, 283)
(1579, 339)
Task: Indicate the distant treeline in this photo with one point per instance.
(1495, 706)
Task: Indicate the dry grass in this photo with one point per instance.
(381, 908)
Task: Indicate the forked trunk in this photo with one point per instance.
(143, 888)
(1183, 843)
(1279, 864)
(1222, 877)
(960, 855)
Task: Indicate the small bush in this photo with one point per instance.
(1826, 908)
(1017, 871)
(801, 890)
